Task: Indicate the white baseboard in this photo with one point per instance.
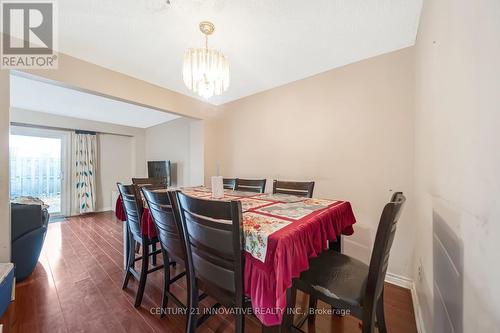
(398, 280)
(406, 283)
(418, 310)
(105, 209)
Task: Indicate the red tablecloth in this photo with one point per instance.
(288, 254)
(305, 227)
(147, 226)
(119, 212)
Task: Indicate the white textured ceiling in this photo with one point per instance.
(268, 42)
(48, 98)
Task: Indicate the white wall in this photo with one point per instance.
(181, 142)
(457, 154)
(349, 129)
(121, 156)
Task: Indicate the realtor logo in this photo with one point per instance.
(28, 39)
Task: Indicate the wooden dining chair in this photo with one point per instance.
(133, 207)
(229, 183)
(250, 185)
(215, 254)
(347, 283)
(301, 189)
(150, 183)
(171, 242)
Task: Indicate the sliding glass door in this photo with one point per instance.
(38, 163)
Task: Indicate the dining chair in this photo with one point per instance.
(229, 183)
(250, 185)
(347, 283)
(171, 240)
(133, 207)
(150, 183)
(215, 254)
(301, 189)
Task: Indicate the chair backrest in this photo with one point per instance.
(396, 196)
(133, 207)
(167, 227)
(214, 247)
(150, 182)
(250, 185)
(229, 183)
(301, 189)
(380, 256)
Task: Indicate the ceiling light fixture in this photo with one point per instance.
(206, 71)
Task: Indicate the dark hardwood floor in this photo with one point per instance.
(76, 287)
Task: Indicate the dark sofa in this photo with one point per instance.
(28, 229)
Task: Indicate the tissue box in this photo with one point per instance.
(6, 283)
(217, 187)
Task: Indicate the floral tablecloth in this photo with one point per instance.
(282, 232)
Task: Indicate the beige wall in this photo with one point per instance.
(181, 142)
(457, 149)
(114, 165)
(196, 152)
(349, 129)
(210, 147)
(4, 167)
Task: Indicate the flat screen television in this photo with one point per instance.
(160, 169)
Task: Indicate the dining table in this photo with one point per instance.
(281, 234)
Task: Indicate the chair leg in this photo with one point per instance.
(368, 325)
(192, 321)
(240, 323)
(144, 274)
(166, 285)
(336, 245)
(313, 304)
(153, 248)
(130, 263)
(135, 248)
(380, 314)
(288, 316)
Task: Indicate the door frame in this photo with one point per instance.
(65, 137)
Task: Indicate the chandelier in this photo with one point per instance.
(206, 71)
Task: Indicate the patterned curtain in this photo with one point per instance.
(84, 151)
